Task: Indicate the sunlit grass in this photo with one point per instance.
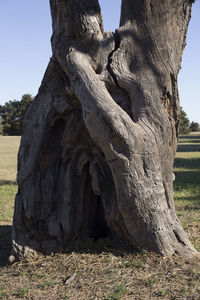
(8, 168)
(7, 196)
(8, 157)
(187, 186)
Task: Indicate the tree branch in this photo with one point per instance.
(109, 125)
(166, 23)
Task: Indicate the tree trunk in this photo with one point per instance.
(98, 145)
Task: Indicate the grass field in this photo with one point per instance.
(8, 188)
(187, 185)
(101, 271)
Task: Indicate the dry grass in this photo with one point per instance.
(8, 188)
(8, 168)
(102, 270)
(103, 275)
(8, 157)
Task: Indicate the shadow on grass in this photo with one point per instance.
(83, 245)
(195, 200)
(189, 137)
(91, 246)
(187, 163)
(189, 141)
(187, 178)
(7, 182)
(188, 148)
(5, 244)
(194, 206)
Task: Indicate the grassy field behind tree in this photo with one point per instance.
(100, 269)
(8, 188)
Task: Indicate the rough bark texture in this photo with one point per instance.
(97, 150)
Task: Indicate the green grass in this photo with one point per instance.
(20, 292)
(2, 292)
(118, 292)
(47, 284)
(187, 185)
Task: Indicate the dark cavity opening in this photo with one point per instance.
(93, 211)
(51, 148)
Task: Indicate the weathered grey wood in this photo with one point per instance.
(97, 150)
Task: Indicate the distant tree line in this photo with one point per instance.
(194, 126)
(1, 127)
(185, 125)
(12, 115)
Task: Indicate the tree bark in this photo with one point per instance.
(98, 146)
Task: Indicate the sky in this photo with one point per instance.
(25, 31)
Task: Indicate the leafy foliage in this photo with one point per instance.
(12, 115)
(194, 126)
(184, 123)
(1, 127)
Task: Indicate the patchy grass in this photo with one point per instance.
(118, 292)
(20, 292)
(102, 270)
(100, 276)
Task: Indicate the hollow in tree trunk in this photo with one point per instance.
(99, 140)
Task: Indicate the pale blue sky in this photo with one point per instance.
(25, 30)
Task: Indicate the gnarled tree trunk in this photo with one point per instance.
(97, 150)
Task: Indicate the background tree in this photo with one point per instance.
(97, 151)
(184, 122)
(1, 126)
(12, 115)
(194, 126)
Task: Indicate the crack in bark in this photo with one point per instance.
(128, 110)
(178, 238)
(117, 46)
(167, 195)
